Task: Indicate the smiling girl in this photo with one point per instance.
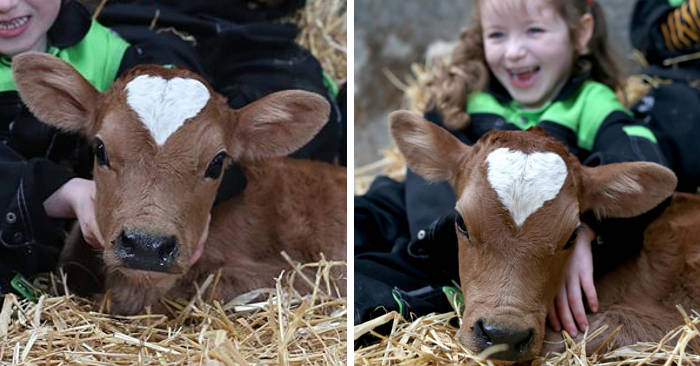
(524, 63)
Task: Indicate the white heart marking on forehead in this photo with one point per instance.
(524, 182)
(164, 105)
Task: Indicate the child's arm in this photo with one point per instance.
(623, 138)
(567, 309)
(616, 138)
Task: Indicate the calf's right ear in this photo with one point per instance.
(55, 92)
(430, 151)
(277, 124)
(625, 189)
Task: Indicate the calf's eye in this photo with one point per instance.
(101, 153)
(461, 227)
(572, 239)
(216, 166)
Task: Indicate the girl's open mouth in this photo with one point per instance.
(523, 77)
(14, 27)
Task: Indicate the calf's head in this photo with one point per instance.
(519, 198)
(162, 138)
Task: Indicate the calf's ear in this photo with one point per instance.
(625, 189)
(277, 124)
(430, 151)
(55, 92)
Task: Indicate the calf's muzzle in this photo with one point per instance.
(144, 251)
(487, 334)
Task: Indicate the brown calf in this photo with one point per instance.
(520, 194)
(162, 138)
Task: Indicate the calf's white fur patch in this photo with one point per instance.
(164, 105)
(524, 182)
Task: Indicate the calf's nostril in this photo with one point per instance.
(167, 248)
(524, 345)
(128, 241)
(481, 333)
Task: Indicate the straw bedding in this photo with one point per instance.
(430, 340)
(276, 326)
(323, 25)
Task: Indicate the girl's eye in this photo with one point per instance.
(535, 30)
(101, 153)
(495, 35)
(572, 239)
(461, 227)
(216, 166)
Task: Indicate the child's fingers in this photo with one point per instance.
(95, 231)
(88, 234)
(567, 320)
(589, 289)
(576, 303)
(98, 240)
(88, 222)
(553, 317)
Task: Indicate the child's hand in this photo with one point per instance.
(578, 274)
(76, 199)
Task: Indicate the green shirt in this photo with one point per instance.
(583, 112)
(97, 57)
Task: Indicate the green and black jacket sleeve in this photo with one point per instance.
(591, 122)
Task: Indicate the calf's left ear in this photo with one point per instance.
(277, 125)
(55, 92)
(625, 189)
(430, 150)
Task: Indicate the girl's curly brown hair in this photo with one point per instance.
(467, 72)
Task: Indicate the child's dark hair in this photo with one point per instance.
(467, 72)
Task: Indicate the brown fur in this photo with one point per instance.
(510, 274)
(288, 205)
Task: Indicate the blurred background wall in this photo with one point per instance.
(392, 34)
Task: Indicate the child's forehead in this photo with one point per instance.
(493, 11)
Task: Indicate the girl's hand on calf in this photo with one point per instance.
(76, 199)
(567, 310)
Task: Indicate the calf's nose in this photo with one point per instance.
(518, 340)
(149, 252)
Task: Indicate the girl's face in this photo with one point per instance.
(528, 48)
(24, 23)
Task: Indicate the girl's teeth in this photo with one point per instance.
(520, 71)
(14, 23)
